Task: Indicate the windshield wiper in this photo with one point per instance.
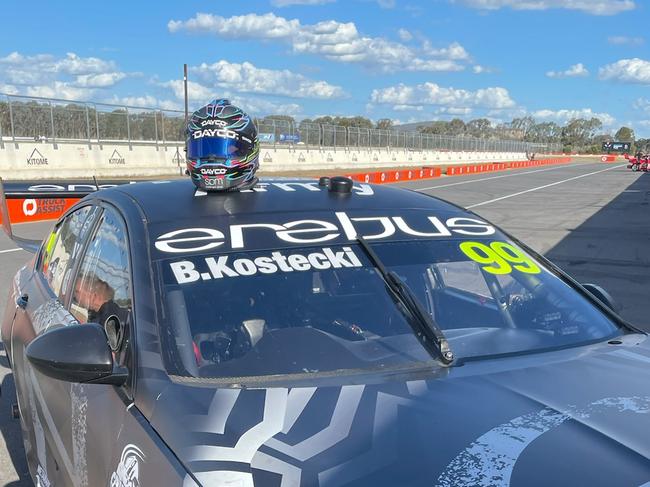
(424, 327)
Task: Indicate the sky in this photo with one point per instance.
(407, 60)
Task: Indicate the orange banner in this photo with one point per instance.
(32, 210)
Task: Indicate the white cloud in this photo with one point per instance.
(199, 94)
(408, 108)
(196, 92)
(627, 71)
(642, 104)
(8, 89)
(478, 69)
(386, 3)
(287, 3)
(71, 64)
(70, 77)
(624, 40)
(574, 71)
(246, 78)
(507, 113)
(593, 7)
(259, 107)
(136, 101)
(103, 80)
(453, 51)
(433, 94)
(405, 35)
(60, 89)
(251, 26)
(336, 41)
(564, 116)
(459, 111)
(145, 101)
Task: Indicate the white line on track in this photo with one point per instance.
(542, 187)
(493, 177)
(9, 250)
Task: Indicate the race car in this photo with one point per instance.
(314, 333)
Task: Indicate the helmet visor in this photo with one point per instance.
(218, 147)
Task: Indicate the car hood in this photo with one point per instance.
(571, 417)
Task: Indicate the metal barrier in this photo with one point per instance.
(54, 120)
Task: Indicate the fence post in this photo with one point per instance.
(97, 124)
(155, 127)
(276, 136)
(2, 142)
(88, 126)
(11, 122)
(128, 128)
(162, 122)
(52, 124)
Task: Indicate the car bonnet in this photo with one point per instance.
(572, 417)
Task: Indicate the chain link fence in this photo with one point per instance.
(51, 120)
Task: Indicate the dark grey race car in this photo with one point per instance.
(305, 334)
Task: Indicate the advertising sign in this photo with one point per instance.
(37, 159)
(616, 146)
(266, 138)
(290, 138)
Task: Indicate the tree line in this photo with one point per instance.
(576, 135)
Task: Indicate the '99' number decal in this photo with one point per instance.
(499, 257)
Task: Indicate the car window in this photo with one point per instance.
(62, 247)
(102, 286)
(322, 310)
(464, 276)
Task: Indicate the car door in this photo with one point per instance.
(101, 292)
(44, 290)
(75, 425)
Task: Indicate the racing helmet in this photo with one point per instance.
(222, 148)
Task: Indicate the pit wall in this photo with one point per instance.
(33, 160)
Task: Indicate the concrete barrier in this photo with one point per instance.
(395, 176)
(37, 209)
(501, 166)
(35, 160)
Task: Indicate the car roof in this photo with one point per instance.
(178, 200)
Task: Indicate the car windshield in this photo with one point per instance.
(324, 309)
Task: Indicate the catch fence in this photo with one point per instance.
(54, 120)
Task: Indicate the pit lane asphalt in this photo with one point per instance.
(592, 219)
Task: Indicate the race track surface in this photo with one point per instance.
(591, 219)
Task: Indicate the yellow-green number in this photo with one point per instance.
(498, 257)
(483, 254)
(512, 254)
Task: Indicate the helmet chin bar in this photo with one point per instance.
(248, 185)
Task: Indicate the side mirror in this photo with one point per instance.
(603, 296)
(77, 353)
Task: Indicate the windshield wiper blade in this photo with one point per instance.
(424, 327)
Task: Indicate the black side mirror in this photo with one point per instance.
(602, 295)
(78, 353)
